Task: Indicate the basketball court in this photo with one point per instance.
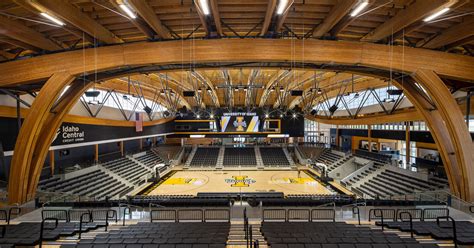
(193, 182)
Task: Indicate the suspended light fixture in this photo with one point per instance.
(204, 6)
(362, 5)
(128, 11)
(281, 6)
(436, 15)
(53, 19)
(266, 116)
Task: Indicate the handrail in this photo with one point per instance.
(250, 238)
(9, 216)
(125, 207)
(43, 228)
(4, 231)
(453, 227)
(82, 221)
(410, 219)
(256, 244)
(114, 214)
(358, 213)
(381, 216)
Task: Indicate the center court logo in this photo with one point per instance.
(240, 181)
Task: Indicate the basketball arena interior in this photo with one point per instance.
(236, 123)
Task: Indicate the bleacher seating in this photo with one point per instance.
(128, 170)
(388, 183)
(96, 184)
(332, 160)
(28, 233)
(274, 157)
(244, 157)
(166, 152)
(164, 235)
(311, 151)
(332, 234)
(150, 159)
(205, 156)
(464, 230)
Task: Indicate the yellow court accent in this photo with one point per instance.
(179, 181)
(295, 180)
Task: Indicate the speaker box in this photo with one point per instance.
(188, 93)
(147, 109)
(394, 92)
(296, 92)
(92, 93)
(333, 108)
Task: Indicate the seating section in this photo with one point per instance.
(96, 184)
(311, 151)
(205, 156)
(332, 234)
(164, 234)
(150, 159)
(274, 157)
(167, 152)
(244, 157)
(389, 183)
(28, 234)
(464, 230)
(128, 170)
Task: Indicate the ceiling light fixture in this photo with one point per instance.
(281, 6)
(53, 19)
(128, 11)
(362, 5)
(266, 116)
(436, 15)
(204, 7)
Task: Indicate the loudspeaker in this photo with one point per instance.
(93, 93)
(313, 112)
(333, 108)
(394, 92)
(296, 92)
(189, 93)
(147, 109)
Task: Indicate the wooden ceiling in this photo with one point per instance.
(24, 31)
(88, 23)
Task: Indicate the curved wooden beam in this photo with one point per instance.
(410, 114)
(238, 50)
(29, 137)
(447, 120)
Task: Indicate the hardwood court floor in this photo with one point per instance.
(193, 182)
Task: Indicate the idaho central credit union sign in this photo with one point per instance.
(70, 134)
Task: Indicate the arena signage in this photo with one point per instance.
(70, 134)
(240, 181)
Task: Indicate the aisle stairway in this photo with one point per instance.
(237, 234)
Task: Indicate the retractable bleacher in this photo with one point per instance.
(205, 157)
(244, 157)
(274, 157)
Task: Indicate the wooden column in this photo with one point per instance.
(96, 153)
(407, 143)
(446, 123)
(337, 135)
(141, 144)
(36, 133)
(51, 161)
(121, 148)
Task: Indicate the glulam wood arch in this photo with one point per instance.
(425, 66)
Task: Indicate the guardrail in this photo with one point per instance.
(190, 215)
(452, 227)
(298, 215)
